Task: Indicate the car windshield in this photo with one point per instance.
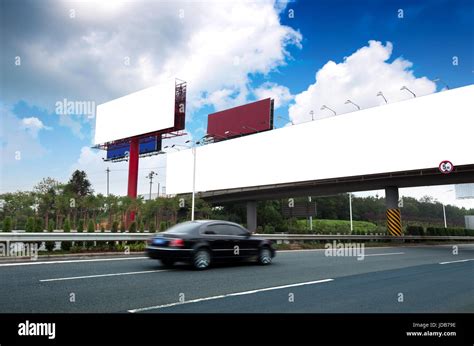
(183, 228)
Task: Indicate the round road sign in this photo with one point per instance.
(446, 167)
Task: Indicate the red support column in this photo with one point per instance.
(133, 171)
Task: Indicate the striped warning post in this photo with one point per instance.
(394, 222)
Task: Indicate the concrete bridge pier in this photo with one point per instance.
(252, 216)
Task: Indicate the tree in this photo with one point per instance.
(91, 226)
(7, 224)
(80, 226)
(115, 225)
(50, 225)
(45, 193)
(39, 225)
(79, 184)
(67, 226)
(133, 227)
(90, 229)
(30, 224)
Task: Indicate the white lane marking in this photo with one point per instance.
(103, 275)
(230, 295)
(464, 260)
(70, 261)
(385, 254)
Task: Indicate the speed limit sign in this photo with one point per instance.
(446, 167)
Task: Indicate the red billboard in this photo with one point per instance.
(242, 120)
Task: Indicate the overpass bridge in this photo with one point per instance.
(387, 147)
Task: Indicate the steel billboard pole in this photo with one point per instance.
(133, 172)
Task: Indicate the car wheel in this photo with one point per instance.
(202, 259)
(167, 262)
(265, 256)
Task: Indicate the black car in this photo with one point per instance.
(206, 241)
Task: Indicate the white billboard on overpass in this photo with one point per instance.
(464, 190)
(144, 111)
(415, 134)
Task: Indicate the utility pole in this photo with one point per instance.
(350, 209)
(444, 215)
(108, 171)
(150, 176)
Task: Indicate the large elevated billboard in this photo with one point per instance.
(143, 112)
(415, 134)
(249, 118)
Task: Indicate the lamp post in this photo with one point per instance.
(107, 171)
(437, 79)
(349, 101)
(285, 119)
(444, 212)
(311, 112)
(405, 88)
(326, 107)
(150, 176)
(193, 149)
(381, 94)
(350, 209)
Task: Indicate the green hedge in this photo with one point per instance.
(441, 231)
(337, 226)
(415, 230)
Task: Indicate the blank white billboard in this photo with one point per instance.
(464, 190)
(144, 111)
(415, 134)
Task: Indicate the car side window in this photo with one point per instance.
(236, 230)
(212, 230)
(223, 229)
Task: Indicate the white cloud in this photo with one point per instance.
(359, 78)
(33, 125)
(18, 138)
(213, 48)
(74, 125)
(281, 94)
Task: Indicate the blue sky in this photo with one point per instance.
(74, 57)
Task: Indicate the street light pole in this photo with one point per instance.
(150, 176)
(444, 211)
(310, 217)
(444, 215)
(329, 109)
(194, 182)
(108, 171)
(350, 209)
(405, 88)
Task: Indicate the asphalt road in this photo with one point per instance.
(396, 279)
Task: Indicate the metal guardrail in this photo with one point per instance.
(358, 237)
(107, 236)
(72, 236)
